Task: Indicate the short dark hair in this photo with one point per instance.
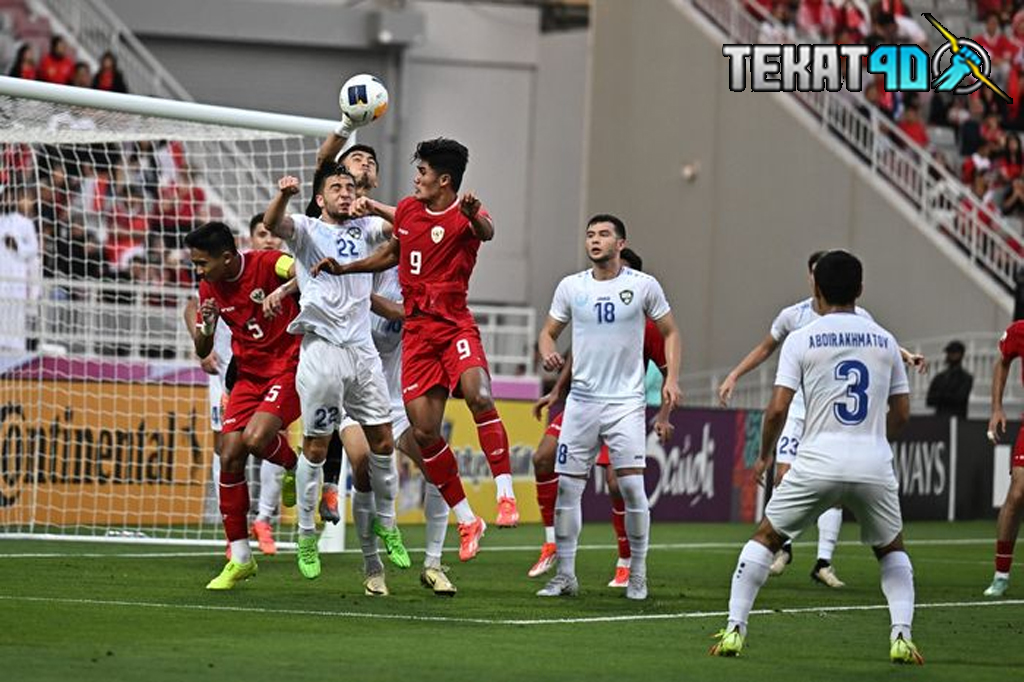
(323, 171)
(446, 156)
(360, 148)
(620, 227)
(839, 276)
(214, 238)
(632, 259)
(814, 258)
(253, 222)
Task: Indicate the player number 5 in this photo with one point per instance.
(254, 327)
(415, 262)
(272, 393)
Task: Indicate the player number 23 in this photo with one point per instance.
(854, 409)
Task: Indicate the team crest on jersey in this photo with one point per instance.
(257, 296)
(355, 232)
(626, 295)
(436, 234)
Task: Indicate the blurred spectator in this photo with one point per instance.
(24, 64)
(19, 268)
(1018, 299)
(911, 124)
(1013, 203)
(772, 34)
(950, 390)
(1001, 8)
(969, 134)
(82, 77)
(817, 18)
(1011, 161)
(57, 66)
(109, 77)
(182, 208)
(998, 46)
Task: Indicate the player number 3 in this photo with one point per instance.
(854, 409)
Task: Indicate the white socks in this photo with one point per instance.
(362, 516)
(751, 573)
(215, 470)
(435, 509)
(568, 521)
(638, 522)
(308, 477)
(463, 512)
(549, 535)
(384, 481)
(829, 524)
(503, 484)
(898, 588)
(241, 553)
(270, 489)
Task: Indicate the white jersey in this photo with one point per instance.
(849, 366)
(798, 316)
(608, 320)
(222, 347)
(336, 309)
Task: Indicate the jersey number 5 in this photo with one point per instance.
(254, 327)
(854, 410)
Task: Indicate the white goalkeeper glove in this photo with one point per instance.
(346, 126)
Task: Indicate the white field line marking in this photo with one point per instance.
(684, 615)
(484, 548)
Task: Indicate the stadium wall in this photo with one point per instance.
(483, 74)
(731, 246)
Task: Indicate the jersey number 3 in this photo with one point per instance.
(854, 409)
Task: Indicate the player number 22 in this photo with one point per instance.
(854, 409)
(415, 262)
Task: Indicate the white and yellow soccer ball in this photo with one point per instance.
(363, 98)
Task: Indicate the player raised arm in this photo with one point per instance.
(771, 428)
(997, 422)
(273, 303)
(915, 360)
(753, 360)
(552, 360)
(384, 258)
(483, 226)
(209, 363)
(206, 325)
(670, 393)
(335, 142)
(275, 218)
(365, 206)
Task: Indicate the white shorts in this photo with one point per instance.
(800, 499)
(586, 426)
(399, 422)
(215, 391)
(789, 441)
(335, 381)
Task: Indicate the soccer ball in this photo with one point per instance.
(363, 98)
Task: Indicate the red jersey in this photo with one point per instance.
(262, 346)
(654, 346)
(55, 70)
(438, 253)
(1011, 343)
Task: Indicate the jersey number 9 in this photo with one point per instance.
(415, 262)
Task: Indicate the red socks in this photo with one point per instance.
(279, 452)
(234, 505)
(547, 493)
(493, 441)
(443, 471)
(619, 524)
(1004, 556)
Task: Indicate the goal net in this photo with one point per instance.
(105, 427)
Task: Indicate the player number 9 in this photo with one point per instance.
(462, 346)
(415, 262)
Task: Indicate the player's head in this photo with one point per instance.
(334, 192)
(606, 238)
(811, 261)
(632, 259)
(838, 278)
(260, 237)
(361, 161)
(213, 251)
(440, 165)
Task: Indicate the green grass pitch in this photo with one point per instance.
(92, 611)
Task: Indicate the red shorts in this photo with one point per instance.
(555, 430)
(437, 352)
(252, 394)
(1017, 460)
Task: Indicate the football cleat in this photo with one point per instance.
(264, 534)
(308, 556)
(904, 651)
(329, 504)
(508, 513)
(288, 495)
(730, 643)
(546, 561)
(636, 588)
(826, 575)
(469, 538)
(393, 544)
(232, 574)
(782, 559)
(375, 585)
(998, 587)
(621, 578)
(561, 585)
(436, 578)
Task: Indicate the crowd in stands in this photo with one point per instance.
(58, 66)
